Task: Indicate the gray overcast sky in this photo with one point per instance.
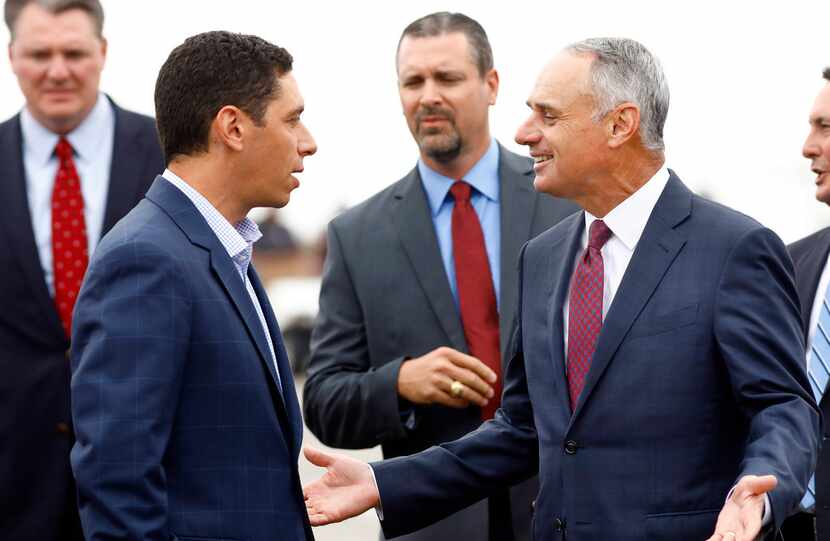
(743, 76)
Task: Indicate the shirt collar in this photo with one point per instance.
(628, 219)
(236, 239)
(484, 177)
(86, 140)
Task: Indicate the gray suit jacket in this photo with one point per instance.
(385, 298)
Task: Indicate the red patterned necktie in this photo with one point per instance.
(585, 309)
(69, 241)
(476, 294)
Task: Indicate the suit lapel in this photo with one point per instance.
(191, 222)
(288, 394)
(19, 225)
(126, 175)
(655, 252)
(561, 256)
(517, 205)
(808, 270)
(417, 233)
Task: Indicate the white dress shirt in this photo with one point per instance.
(823, 282)
(92, 142)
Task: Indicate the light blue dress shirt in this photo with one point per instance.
(484, 178)
(237, 240)
(92, 142)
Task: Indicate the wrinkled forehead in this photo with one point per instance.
(442, 52)
(36, 26)
(564, 79)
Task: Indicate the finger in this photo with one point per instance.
(754, 484)
(471, 363)
(471, 380)
(444, 395)
(317, 457)
(475, 390)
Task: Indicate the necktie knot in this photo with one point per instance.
(598, 235)
(461, 191)
(63, 149)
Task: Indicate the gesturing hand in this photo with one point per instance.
(740, 518)
(345, 490)
(428, 379)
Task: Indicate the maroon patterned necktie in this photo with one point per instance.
(476, 293)
(69, 241)
(585, 309)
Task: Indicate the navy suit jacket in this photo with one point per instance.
(182, 429)
(698, 379)
(809, 257)
(37, 493)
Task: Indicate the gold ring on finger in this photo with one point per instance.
(456, 389)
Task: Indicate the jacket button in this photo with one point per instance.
(532, 506)
(570, 447)
(62, 428)
(68, 354)
(559, 524)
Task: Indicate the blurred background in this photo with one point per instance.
(743, 76)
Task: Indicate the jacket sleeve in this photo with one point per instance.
(444, 479)
(347, 402)
(130, 341)
(758, 331)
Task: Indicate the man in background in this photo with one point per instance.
(419, 285)
(72, 163)
(187, 420)
(812, 276)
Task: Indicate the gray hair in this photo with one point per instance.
(90, 7)
(623, 70)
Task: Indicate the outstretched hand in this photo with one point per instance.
(742, 514)
(345, 490)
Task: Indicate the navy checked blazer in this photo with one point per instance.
(182, 432)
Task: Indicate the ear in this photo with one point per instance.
(623, 123)
(104, 48)
(229, 127)
(491, 78)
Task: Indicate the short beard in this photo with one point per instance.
(443, 151)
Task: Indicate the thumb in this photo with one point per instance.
(317, 457)
(754, 484)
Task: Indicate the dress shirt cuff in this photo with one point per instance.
(766, 518)
(379, 506)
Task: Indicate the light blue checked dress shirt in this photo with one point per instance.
(818, 371)
(238, 240)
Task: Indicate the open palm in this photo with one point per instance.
(345, 490)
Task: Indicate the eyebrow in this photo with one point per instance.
(297, 111)
(818, 119)
(543, 107)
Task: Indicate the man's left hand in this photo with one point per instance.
(742, 514)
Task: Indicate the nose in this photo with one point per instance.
(811, 148)
(431, 95)
(527, 134)
(57, 68)
(306, 143)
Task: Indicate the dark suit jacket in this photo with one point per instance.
(182, 430)
(386, 297)
(37, 499)
(698, 379)
(809, 257)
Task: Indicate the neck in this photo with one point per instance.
(207, 176)
(628, 175)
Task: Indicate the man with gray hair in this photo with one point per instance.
(657, 378)
(72, 163)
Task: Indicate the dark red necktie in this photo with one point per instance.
(585, 309)
(476, 294)
(69, 241)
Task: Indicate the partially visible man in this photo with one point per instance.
(72, 163)
(187, 420)
(812, 277)
(658, 378)
(419, 286)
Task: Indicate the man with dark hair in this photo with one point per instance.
(811, 256)
(408, 348)
(187, 421)
(657, 378)
(72, 163)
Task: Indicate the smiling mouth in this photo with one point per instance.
(542, 158)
